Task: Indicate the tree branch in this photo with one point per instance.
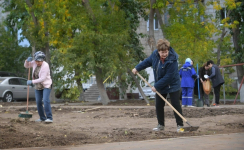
(32, 13)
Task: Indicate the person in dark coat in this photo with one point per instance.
(204, 70)
(217, 80)
(187, 74)
(167, 80)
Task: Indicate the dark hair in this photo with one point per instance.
(204, 65)
(210, 62)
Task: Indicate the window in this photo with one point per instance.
(156, 23)
(222, 14)
(14, 81)
(23, 81)
(202, 18)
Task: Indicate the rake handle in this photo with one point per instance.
(163, 98)
(28, 88)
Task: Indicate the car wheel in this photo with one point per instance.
(8, 97)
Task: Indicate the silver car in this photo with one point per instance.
(148, 91)
(15, 88)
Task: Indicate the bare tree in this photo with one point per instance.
(151, 39)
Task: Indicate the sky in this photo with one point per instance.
(25, 42)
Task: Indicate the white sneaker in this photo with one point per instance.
(49, 121)
(180, 129)
(183, 106)
(190, 106)
(158, 128)
(39, 120)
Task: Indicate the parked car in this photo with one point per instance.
(15, 88)
(148, 91)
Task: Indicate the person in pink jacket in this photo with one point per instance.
(43, 83)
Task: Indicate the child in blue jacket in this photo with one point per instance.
(187, 74)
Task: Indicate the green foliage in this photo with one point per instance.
(84, 44)
(71, 94)
(188, 33)
(234, 20)
(20, 17)
(134, 10)
(111, 43)
(12, 56)
(237, 15)
(228, 84)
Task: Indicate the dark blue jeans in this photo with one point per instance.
(44, 95)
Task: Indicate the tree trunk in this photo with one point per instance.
(221, 40)
(218, 54)
(101, 88)
(238, 49)
(220, 45)
(138, 85)
(98, 71)
(80, 87)
(151, 39)
(90, 12)
(34, 19)
(122, 88)
(160, 20)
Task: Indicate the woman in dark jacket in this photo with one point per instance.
(217, 80)
(204, 70)
(167, 80)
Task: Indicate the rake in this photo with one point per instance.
(26, 114)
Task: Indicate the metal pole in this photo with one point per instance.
(223, 84)
(198, 84)
(239, 89)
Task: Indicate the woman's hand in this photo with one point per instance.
(29, 82)
(134, 71)
(153, 89)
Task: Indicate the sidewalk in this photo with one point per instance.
(232, 141)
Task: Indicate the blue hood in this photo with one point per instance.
(187, 74)
(187, 64)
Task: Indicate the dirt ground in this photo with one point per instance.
(120, 121)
